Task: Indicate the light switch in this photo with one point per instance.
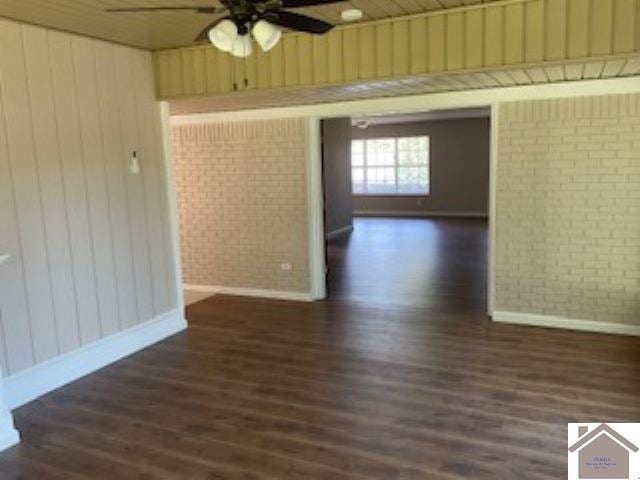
(134, 164)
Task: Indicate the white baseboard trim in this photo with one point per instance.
(398, 213)
(251, 292)
(339, 231)
(30, 384)
(552, 321)
(9, 436)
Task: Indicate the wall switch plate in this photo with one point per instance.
(134, 163)
(287, 267)
(4, 257)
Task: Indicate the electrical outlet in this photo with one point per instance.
(287, 267)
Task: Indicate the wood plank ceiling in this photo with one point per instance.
(160, 30)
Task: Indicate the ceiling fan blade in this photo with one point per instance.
(295, 21)
(160, 9)
(306, 3)
(203, 36)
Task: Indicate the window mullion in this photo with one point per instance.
(365, 165)
(396, 163)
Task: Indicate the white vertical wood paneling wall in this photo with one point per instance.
(89, 241)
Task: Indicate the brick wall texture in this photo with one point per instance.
(242, 201)
(568, 208)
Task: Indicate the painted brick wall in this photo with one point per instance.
(242, 200)
(568, 208)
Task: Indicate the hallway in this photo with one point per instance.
(427, 263)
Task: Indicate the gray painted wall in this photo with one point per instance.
(336, 148)
(459, 167)
(90, 243)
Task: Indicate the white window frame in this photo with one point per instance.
(395, 166)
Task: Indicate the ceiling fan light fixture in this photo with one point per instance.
(266, 34)
(242, 46)
(224, 35)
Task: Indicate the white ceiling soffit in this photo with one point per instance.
(423, 116)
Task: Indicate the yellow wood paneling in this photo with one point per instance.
(401, 48)
(305, 60)
(263, 70)
(276, 62)
(238, 73)
(556, 29)
(211, 70)
(493, 37)
(320, 73)
(384, 49)
(578, 13)
(436, 43)
(162, 74)
(418, 39)
(514, 34)
(188, 71)
(350, 54)
(625, 23)
(592, 69)
(199, 72)
(534, 32)
(290, 49)
(251, 71)
(366, 49)
(637, 26)
(334, 55)
(454, 46)
(175, 74)
(601, 23)
(473, 47)
(224, 69)
(476, 37)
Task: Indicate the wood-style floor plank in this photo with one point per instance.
(403, 380)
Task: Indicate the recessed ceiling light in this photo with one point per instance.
(351, 15)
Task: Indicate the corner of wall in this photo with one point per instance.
(9, 436)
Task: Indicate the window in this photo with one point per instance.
(390, 166)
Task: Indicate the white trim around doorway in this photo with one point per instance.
(490, 97)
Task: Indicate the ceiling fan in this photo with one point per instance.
(261, 18)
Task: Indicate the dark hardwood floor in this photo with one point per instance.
(437, 264)
(367, 385)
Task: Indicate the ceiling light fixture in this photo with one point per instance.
(223, 35)
(229, 37)
(266, 34)
(351, 15)
(242, 46)
(260, 19)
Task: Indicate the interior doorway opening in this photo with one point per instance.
(406, 209)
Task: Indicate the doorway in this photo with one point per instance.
(412, 227)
